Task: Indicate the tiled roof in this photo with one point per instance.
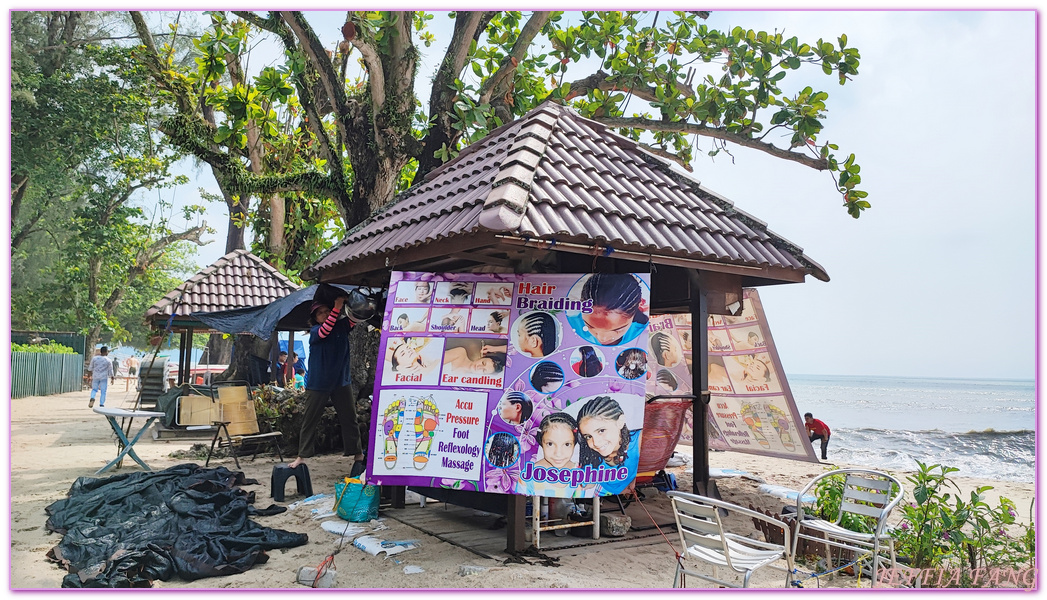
(553, 175)
(237, 280)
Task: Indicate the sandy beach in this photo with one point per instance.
(56, 439)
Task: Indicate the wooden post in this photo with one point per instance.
(700, 385)
(181, 359)
(289, 371)
(188, 356)
(516, 519)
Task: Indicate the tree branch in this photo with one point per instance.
(317, 55)
(314, 120)
(272, 24)
(373, 64)
(819, 164)
(158, 246)
(600, 80)
(156, 66)
(27, 229)
(21, 184)
(185, 132)
(495, 84)
(467, 26)
(134, 188)
(667, 155)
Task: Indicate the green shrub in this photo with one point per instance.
(48, 348)
(942, 530)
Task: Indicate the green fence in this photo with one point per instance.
(42, 374)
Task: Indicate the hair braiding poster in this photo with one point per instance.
(511, 383)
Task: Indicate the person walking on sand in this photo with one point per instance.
(818, 431)
(329, 378)
(101, 374)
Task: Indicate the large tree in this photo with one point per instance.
(359, 135)
(83, 150)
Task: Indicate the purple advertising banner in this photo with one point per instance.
(511, 383)
(751, 409)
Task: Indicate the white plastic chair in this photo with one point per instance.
(704, 540)
(866, 493)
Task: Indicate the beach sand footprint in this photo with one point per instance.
(392, 424)
(426, 419)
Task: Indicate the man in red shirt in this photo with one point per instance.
(818, 431)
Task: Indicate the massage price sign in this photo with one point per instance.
(526, 384)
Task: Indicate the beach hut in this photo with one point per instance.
(553, 192)
(237, 280)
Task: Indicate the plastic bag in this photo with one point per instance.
(357, 500)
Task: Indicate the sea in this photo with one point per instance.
(984, 427)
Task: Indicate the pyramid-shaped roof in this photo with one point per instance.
(237, 280)
(557, 177)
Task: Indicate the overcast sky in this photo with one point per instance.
(937, 278)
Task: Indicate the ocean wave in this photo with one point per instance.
(989, 454)
(985, 432)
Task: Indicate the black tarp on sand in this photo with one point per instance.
(185, 521)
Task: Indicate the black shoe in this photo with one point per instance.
(90, 403)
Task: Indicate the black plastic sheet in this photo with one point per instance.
(186, 521)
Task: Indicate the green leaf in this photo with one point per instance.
(920, 494)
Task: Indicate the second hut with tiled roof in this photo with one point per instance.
(237, 280)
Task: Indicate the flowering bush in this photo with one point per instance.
(940, 529)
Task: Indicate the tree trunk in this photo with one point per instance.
(248, 354)
(234, 237)
(219, 349)
(89, 344)
(19, 183)
(373, 187)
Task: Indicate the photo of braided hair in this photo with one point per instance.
(618, 292)
(558, 418)
(520, 399)
(503, 450)
(543, 325)
(667, 379)
(547, 377)
(603, 407)
(660, 344)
